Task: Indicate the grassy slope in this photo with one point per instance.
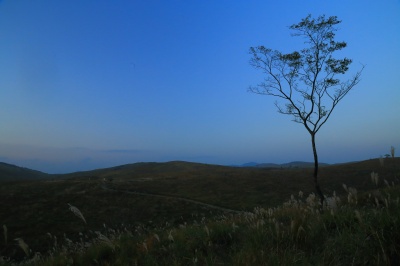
(10, 172)
(237, 188)
(33, 208)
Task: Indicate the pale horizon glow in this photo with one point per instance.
(95, 84)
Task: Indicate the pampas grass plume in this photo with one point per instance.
(77, 212)
(5, 233)
(381, 161)
(23, 246)
(105, 240)
(375, 178)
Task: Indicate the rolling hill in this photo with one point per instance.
(145, 196)
(10, 172)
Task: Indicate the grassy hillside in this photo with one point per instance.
(163, 199)
(10, 172)
(236, 188)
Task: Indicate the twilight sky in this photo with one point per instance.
(90, 84)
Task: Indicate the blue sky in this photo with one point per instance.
(88, 84)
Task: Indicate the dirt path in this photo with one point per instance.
(105, 187)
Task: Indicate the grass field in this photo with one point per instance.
(167, 223)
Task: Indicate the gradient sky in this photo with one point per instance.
(89, 84)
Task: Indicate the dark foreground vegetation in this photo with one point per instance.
(156, 214)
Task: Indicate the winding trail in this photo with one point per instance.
(105, 187)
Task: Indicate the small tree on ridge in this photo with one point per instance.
(307, 81)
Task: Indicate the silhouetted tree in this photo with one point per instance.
(307, 80)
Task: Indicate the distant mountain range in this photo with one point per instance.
(9, 172)
(295, 164)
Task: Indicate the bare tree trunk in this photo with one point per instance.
(316, 183)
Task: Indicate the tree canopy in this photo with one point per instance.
(308, 81)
